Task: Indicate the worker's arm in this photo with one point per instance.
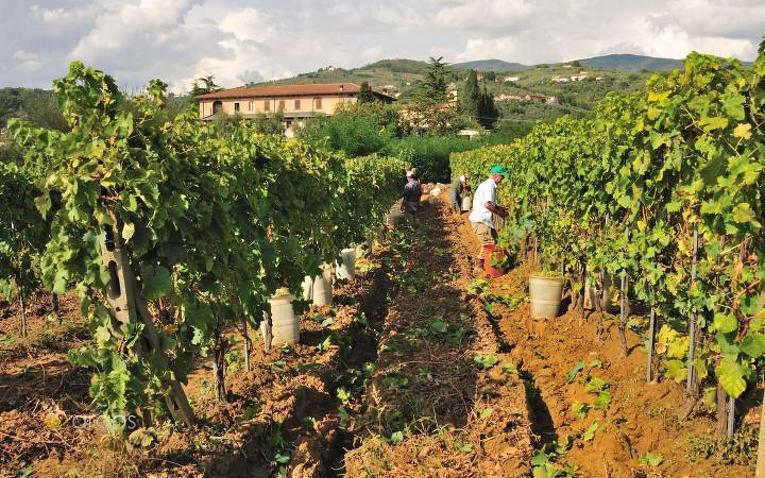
(499, 211)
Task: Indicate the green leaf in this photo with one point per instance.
(676, 370)
(652, 460)
(753, 344)
(730, 374)
(485, 361)
(714, 122)
(156, 281)
(282, 457)
(128, 229)
(725, 323)
(43, 203)
(743, 131)
(589, 434)
(397, 437)
(743, 213)
(578, 367)
(604, 399)
(580, 409)
(596, 385)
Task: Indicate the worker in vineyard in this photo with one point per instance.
(411, 200)
(485, 207)
(458, 188)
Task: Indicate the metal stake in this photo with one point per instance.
(651, 339)
(731, 417)
(692, 328)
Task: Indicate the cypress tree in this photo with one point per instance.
(487, 110)
(470, 96)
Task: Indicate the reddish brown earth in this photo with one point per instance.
(454, 419)
(416, 380)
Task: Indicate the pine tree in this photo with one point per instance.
(470, 96)
(433, 87)
(208, 85)
(365, 94)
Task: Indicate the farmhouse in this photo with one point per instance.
(295, 103)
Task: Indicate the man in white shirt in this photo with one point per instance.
(484, 206)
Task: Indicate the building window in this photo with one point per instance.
(297, 105)
(236, 106)
(267, 105)
(249, 105)
(282, 105)
(318, 103)
(217, 106)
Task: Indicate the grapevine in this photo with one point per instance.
(684, 154)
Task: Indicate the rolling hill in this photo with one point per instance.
(490, 65)
(629, 62)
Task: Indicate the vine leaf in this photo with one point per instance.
(725, 323)
(128, 230)
(730, 374)
(743, 131)
(156, 282)
(753, 344)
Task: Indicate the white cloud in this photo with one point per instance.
(485, 48)
(62, 16)
(242, 40)
(27, 61)
(247, 24)
(483, 14)
(674, 42)
(123, 26)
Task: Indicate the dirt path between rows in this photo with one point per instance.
(444, 401)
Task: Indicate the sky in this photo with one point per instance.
(246, 40)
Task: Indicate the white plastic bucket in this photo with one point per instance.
(545, 294)
(285, 326)
(318, 290)
(346, 269)
(467, 203)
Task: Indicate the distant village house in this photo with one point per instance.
(296, 103)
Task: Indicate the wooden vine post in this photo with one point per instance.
(126, 306)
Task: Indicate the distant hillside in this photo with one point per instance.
(397, 66)
(489, 65)
(628, 62)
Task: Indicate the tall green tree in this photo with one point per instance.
(470, 96)
(433, 87)
(488, 114)
(761, 48)
(207, 85)
(366, 95)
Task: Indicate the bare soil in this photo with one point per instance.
(413, 372)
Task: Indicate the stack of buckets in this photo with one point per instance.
(285, 327)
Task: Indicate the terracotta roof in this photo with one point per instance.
(283, 90)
